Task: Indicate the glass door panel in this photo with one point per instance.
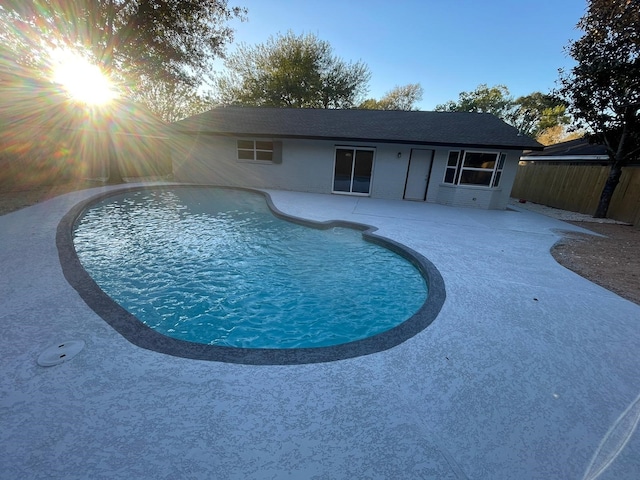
(352, 171)
(362, 171)
(343, 170)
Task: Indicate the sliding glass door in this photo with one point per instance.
(352, 170)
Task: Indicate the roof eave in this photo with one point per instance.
(566, 158)
(362, 139)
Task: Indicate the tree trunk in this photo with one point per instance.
(115, 176)
(607, 192)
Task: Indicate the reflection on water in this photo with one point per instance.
(215, 266)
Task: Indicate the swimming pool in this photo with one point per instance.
(216, 267)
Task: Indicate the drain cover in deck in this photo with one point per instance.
(60, 352)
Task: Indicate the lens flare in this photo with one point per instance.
(82, 80)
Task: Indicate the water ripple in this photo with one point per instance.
(215, 266)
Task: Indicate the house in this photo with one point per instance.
(578, 151)
(451, 158)
(571, 175)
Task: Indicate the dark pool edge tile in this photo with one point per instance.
(142, 336)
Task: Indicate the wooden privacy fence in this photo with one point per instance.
(577, 188)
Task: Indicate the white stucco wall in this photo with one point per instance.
(389, 171)
(437, 173)
(307, 166)
(503, 193)
(213, 160)
(471, 195)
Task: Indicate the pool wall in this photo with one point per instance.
(143, 336)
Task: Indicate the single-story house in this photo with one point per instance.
(451, 158)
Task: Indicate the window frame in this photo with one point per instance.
(452, 168)
(460, 167)
(255, 151)
(355, 150)
(497, 175)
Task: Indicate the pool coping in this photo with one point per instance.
(139, 334)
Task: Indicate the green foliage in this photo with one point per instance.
(603, 89)
(557, 134)
(171, 101)
(537, 112)
(496, 100)
(168, 40)
(399, 98)
(530, 114)
(291, 71)
(159, 51)
(370, 104)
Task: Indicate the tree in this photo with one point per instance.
(531, 114)
(399, 98)
(557, 134)
(496, 100)
(536, 112)
(172, 101)
(603, 89)
(139, 42)
(291, 71)
(159, 39)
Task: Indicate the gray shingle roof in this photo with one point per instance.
(386, 126)
(572, 148)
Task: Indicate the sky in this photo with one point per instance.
(448, 46)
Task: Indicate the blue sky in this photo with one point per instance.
(447, 46)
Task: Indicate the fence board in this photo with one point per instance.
(577, 188)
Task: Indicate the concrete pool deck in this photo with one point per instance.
(529, 371)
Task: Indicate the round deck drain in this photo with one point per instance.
(60, 352)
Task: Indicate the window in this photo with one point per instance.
(352, 171)
(496, 178)
(452, 167)
(255, 150)
(474, 168)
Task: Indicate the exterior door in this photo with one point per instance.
(352, 171)
(418, 174)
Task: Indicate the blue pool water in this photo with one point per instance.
(215, 266)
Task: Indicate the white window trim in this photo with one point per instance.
(460, 168)
(353, 166)
(456, 168)
(499, 169)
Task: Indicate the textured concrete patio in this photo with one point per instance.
(528, 372)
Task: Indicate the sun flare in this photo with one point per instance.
(82, 80)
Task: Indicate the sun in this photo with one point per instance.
(82, 80)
